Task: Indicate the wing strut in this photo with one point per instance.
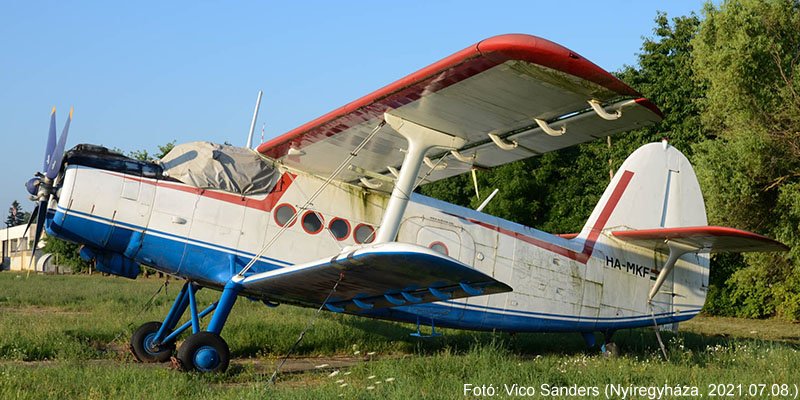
(676, 250)
(420, 140)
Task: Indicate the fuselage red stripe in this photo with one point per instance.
(594, 233)
(265, 204)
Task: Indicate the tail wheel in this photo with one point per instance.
(143, 348)
(610, 349)
(204, 352)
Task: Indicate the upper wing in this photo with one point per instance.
(499, 86)
(714, 239)
(374, 276)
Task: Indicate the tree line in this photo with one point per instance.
(728, 84)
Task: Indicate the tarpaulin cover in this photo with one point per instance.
(215, 166)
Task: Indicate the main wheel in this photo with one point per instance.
(142, 344)
(204, 352)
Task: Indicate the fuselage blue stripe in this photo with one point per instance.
(456, 303)
(170, 235)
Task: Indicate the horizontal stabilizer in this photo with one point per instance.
(374, 276)
(713, 239)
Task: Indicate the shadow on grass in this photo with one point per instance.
(640, 343)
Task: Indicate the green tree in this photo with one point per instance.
(66, 253)
(144, 155)
(15, 215)
(557, 191)
(747, 55)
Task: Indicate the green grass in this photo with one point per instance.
(66, 337)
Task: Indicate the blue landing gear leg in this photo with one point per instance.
(149, 343)
(203, 351)
(590, 340)
(206, 351)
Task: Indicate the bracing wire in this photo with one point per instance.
(303, 332)
(658, 335)
(311, 199)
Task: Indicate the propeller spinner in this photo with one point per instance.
(41, 185)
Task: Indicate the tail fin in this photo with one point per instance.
(654, 188)
(653, 214)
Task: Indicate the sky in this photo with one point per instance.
(140, 74)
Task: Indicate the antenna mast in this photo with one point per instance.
(253, 122)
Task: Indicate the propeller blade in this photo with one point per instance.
(58, 151)
(41, 216)
(51, 141)
(30, 221)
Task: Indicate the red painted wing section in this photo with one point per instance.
(712, 238)
(453, 69)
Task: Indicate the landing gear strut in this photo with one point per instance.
(203, 351)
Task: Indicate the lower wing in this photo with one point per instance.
(373, 276)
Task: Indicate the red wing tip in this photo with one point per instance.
(650, 106)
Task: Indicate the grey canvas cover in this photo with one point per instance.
(215, 166)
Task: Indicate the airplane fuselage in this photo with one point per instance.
(585, 283)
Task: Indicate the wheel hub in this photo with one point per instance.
(150, 345)
(206, 358)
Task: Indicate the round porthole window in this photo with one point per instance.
(364, 234)
(340, 228)
(284, 213)
(439, 247)
(311, 222)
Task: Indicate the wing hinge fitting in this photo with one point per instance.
(334, 308)
(550, 130)
(410, 297)
(460, 157)
(394, 300)
(676, 250)
(439, 294)
(363, 304)
(602, 113)
(370, 183)
(438, 165)
(470, 290)
(502, 143)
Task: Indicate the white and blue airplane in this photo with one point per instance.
(331, 205)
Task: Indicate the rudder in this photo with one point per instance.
(655, 187)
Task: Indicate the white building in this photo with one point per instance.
(16, 251)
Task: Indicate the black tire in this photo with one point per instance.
(140, 344)
(204, 352)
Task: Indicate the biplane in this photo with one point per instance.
(326, 215)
